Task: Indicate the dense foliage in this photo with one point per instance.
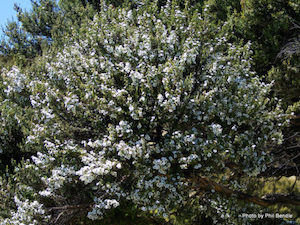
(140, 108)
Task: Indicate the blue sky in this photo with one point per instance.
(7, 10)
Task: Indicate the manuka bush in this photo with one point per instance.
(138, 104)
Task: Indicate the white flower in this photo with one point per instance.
(160, 98)
(217, 129)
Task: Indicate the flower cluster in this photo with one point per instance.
(96, 165)
(26, 213)
(100, 205)
(14, 81)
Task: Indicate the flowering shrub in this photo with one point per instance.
(133, 107)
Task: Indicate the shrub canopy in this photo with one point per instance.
(136, 104)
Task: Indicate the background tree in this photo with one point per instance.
(45, 25)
